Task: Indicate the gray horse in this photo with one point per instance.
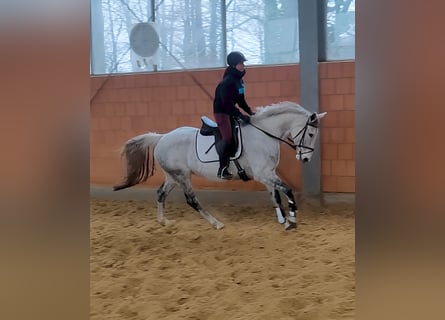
(180, 154)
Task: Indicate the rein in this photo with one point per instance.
(275, 137)
(291, 144)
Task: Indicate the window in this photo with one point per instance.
(192, 33)
(265, 31)
(340, 29)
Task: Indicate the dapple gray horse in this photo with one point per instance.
(177, 153)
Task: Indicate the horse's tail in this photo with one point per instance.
(140, 166)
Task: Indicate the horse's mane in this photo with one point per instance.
(279, 108)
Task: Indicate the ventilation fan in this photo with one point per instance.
(144, 42)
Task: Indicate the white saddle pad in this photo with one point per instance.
(206, 151)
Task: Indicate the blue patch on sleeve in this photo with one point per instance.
(241, 90)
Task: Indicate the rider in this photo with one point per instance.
(228, 93)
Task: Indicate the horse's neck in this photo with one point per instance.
(281, 125)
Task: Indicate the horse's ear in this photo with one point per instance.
(321, 115)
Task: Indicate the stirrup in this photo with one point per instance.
(225, 174)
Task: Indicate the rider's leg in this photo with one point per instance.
(223, 171)
(225, 128)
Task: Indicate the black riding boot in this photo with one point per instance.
(223, 171)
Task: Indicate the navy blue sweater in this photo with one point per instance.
(229, 92)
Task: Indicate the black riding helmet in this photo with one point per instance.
(235, 57)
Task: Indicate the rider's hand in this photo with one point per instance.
(245, 118)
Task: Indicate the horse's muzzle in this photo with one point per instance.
(303, 159)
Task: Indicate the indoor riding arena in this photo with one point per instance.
(154, 68)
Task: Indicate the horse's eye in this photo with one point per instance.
(311, 135)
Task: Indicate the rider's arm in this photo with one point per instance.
(243, 104)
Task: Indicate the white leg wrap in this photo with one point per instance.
(280, 218)
(287, 225)
(293, 216)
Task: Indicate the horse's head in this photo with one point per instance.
(305, 138)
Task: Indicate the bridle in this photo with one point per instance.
(311, 122)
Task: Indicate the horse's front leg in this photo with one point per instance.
(275, 185)
(293, 208)
(287, 222)
(276, 199)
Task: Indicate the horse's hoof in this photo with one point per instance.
(288, 225)
(167, 222)
(219, 225)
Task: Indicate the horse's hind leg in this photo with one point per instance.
(193, 202)
(163, 192)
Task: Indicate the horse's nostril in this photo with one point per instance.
(305, 159)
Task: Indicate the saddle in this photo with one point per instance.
(210, 128)
(207, 138)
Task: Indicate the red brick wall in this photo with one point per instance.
(123, 106)
(337, 93)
